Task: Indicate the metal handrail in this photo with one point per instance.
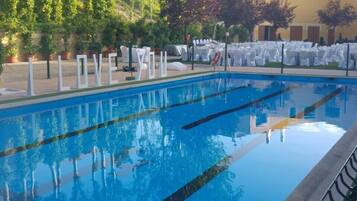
(350, 159)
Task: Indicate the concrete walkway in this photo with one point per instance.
(15, 76)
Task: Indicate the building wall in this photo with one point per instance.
(306, 15)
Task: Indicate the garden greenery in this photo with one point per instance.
(94, 25)
(2, 58)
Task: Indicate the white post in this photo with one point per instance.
(98, 70)
(85, 71)
(60, 80)
(151, 67)
(110, 81)
(30, 89)
(163, 64)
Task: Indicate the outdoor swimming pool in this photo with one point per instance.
(215, 137)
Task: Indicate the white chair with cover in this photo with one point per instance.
(260, 57)
(304, 58)
(125, 54)
(250, 59)
(290, 58)
(184, 54)
(321, 58)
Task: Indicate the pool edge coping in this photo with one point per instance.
(54, 96)
(318, 180)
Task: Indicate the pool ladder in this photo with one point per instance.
(344, 186)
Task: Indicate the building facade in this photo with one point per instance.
(306, 25)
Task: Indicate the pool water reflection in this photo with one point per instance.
(134, 147)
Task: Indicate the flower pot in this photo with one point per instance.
(30, 56)
(90, 54)
(11, 59)
(53, 57)
(65, 55)
(108, 51)
(157, 51)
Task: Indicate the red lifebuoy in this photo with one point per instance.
(216, 58)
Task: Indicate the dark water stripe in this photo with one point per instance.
(318, 104)
(194, 185)
(219, 114)
(73, 133)
(197, 183)
(18, 149)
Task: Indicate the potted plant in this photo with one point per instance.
(81, 47)
(66, 53)
(47, 48)
(109, 37)
(114, 31)
(94, 48)
(29, 48)
(11, 51)
(66, 31)
(161, 37)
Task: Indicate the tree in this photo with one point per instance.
(47, 45)
(103, 8)
(26, 15)
(114, 32)
(57, 12)
(253, 12)
(27, 19)
(181, 13)
(43, 8)
(248, 13)
(231, 12)
(279, 13)
(88, 7)
(9, 21)
(334, 15)
(70, 8)
(69, 11)
(8, 15)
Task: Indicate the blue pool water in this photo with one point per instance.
(216, 137)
